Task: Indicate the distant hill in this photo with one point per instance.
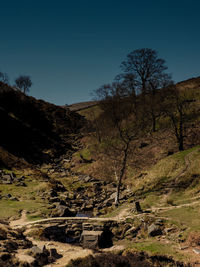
(81, 105)
(34, 129)
(193, 83)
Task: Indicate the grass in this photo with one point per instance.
(184, 216)
(181, 155)
(29, 198)
(150, 200)
(165, 172)
(10, 208)
(116, 211)
(154, 247)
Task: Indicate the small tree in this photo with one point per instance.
(122, 125)
(23, 82)
(4, 77)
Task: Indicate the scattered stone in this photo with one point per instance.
(185, 247)
(132, 231)
(196, 250)
(63, 211)
(14, 199)
(35, 250)
(154, 230)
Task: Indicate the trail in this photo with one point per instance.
(22, 221)
(182, 172)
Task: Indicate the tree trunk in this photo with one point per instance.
(153, 123)
(181, 132)
(180, 146)
(121, 173)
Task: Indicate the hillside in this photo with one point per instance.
(74, 178)
(34, 129)
(82, 105)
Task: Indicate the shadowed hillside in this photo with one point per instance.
(34, 129)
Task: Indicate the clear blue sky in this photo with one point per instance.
(70, 48)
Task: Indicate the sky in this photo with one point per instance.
(72, 47)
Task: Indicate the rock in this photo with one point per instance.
(21, 184)
(4, 256)
(183, 248)
(154, 230)
(91, 239)
(159, 222)
(10, 245)
(62, 202)
(132, 231)
(54, 199)
(137, 206)
(168, 230)
(35, 250)
(25, 260)
(3, 233)
(63, 211)
(70, 195)
(87, 226)
(14, 199)
(8, 196)
(196, 250)
(54, 254)
(53, 193)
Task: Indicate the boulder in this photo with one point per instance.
(36, 250)
(63, 211)
(90, 239)
(154, 230)
(132, 231)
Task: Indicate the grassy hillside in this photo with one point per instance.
(164, 180)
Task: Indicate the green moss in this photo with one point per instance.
(10, 208)
(181, 155)
(154, 247)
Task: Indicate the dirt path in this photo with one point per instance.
(175, 207)
(181, 173)
(187, 164)
(67, 251)
(20, 222)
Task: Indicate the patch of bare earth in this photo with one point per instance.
(20, 222)
(67, 251)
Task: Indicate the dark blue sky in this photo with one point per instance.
(70, 48)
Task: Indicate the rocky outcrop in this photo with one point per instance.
(17, 250)
(93, 199)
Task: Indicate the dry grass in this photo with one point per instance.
(193, 239)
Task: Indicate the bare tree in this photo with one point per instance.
(176, 105)
(145, 65)
(122, 125)
(144, 73)
(23, 82)
(153, 98)
(4, 77)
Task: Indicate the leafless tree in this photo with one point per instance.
(145, 66)
(4, 77)
(144, 73)
(122, 125)
(23, 82)
(176, 105)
